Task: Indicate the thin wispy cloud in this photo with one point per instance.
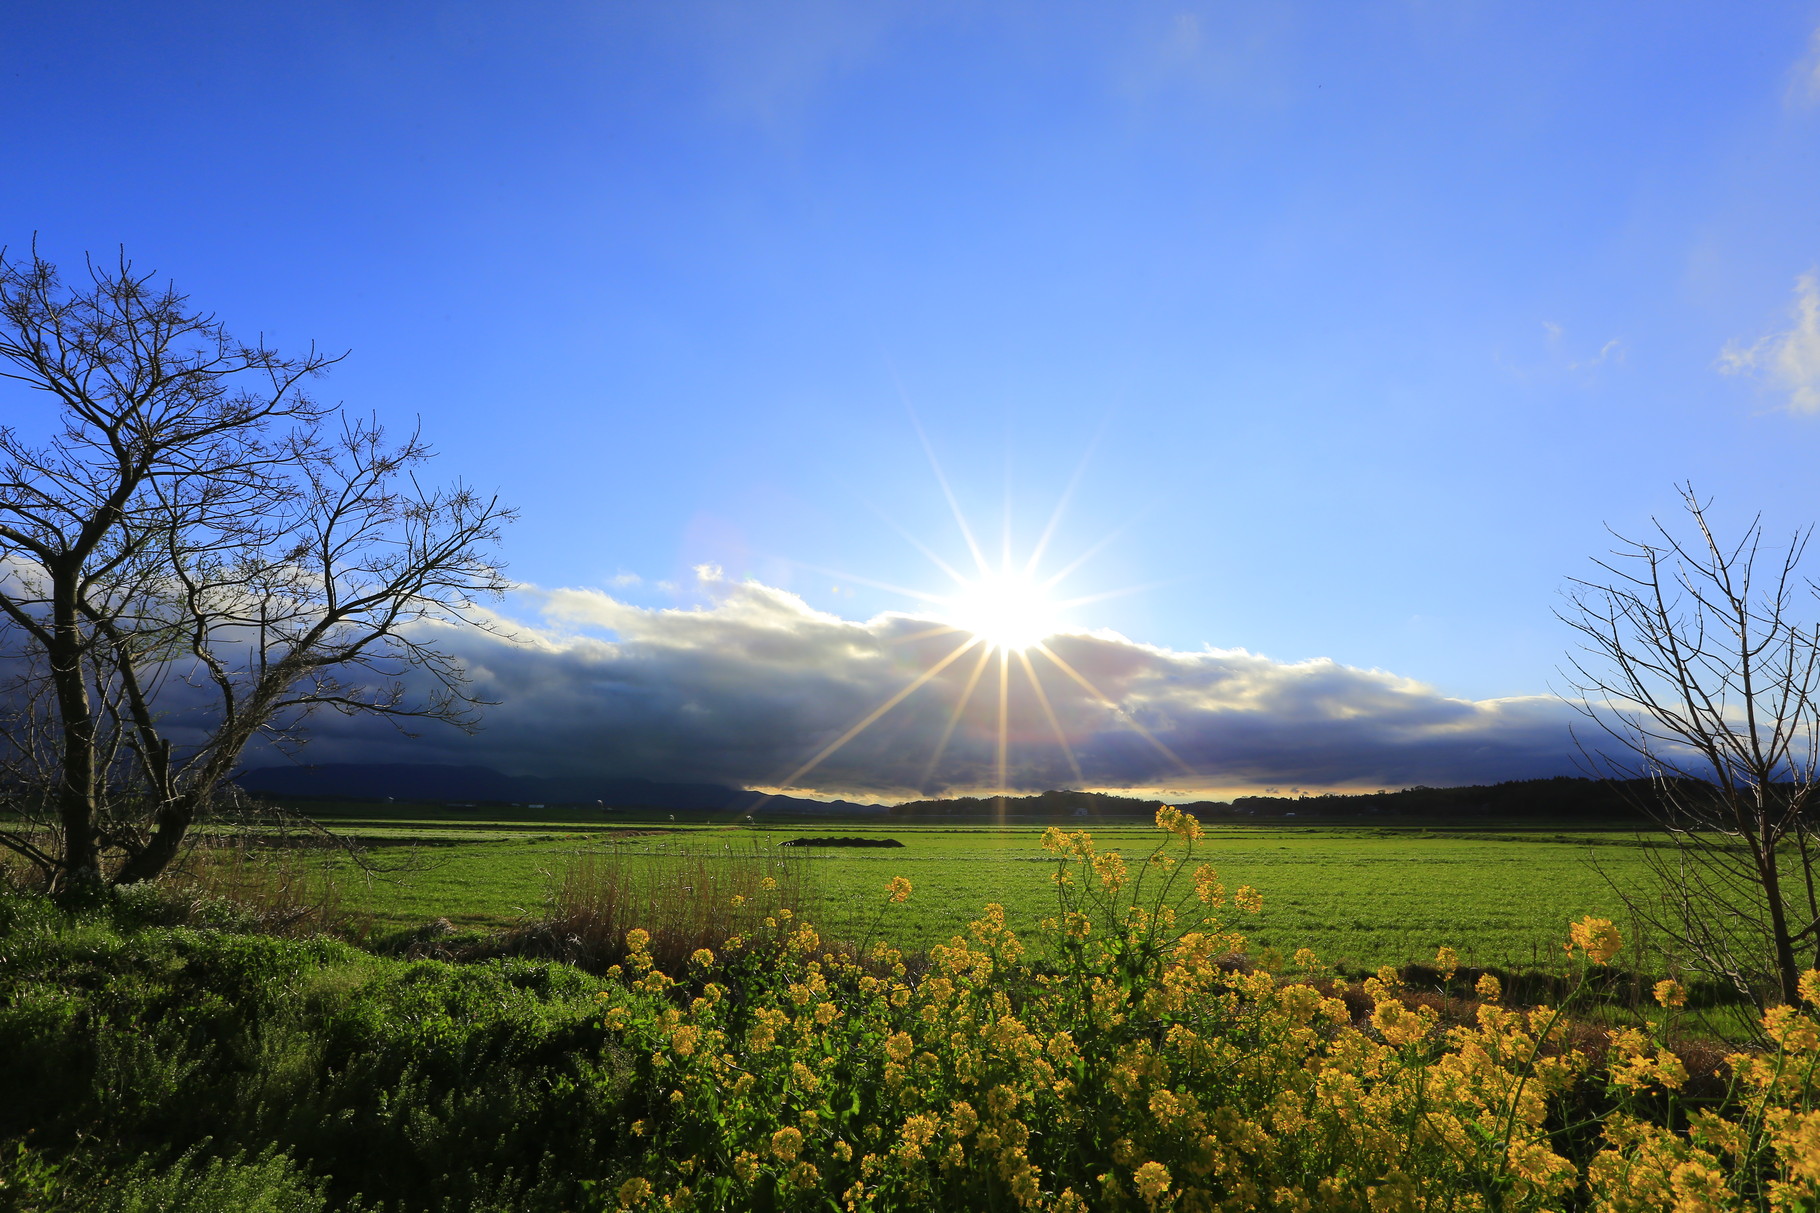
(1790, 358)
(1804, 80)
(747, 689)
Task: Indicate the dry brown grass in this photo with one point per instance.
(686, 897)
(279, 885)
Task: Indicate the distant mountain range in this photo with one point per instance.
(439, 784)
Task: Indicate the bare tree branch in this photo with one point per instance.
(200, 555)
(1698, 676)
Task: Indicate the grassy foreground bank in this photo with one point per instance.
(1120, 1055)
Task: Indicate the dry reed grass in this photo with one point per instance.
(279, 885)
(686, 897)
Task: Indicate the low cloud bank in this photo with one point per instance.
(751, 687)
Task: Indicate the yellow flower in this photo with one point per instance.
(1249, 900)
(1207, 886)
(745, 1165)
(917, 1133)
(1152, 1181)
(702, 957)
(899, 1046)
(1792, 1030)
(1671, 994)
(1183, 825)
(767, 884)
(803, 1076)
(787, 1143)
(1810, 987)
(1597, 937)
(1399, 1025)
(1489, 988)
(637, 940)
(898, 889)
(1447, 960)
(1110, 868)
(633, 1192)
(804, 1175)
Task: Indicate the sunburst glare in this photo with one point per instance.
(1008, 615)
(1006, 609)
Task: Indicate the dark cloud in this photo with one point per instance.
(748, 689)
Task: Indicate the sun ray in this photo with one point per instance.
(922, 547)
(954, 717)
(1118, 711)
(940, 629)
(1004, 706)
(960, 518)
(904, 693)
(1061, 505)
(1087, 599)
(1056, 578)
(1042, 698)
(925, 595)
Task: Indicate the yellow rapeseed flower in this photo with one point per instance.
(1795, 1032)
(637, 940)
(1249, 900)
(1207, 886)
(1671, 993)
(1597, 937)
(1447, 960)
(633, 1192)
(1151, 1181)
(702, 957)
(1810, 987)
(787, 1143)
(1183, 825)
(898, 889)
(1110, 868)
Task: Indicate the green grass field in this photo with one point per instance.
(1360, 897)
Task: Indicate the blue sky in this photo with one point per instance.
(1358, 322)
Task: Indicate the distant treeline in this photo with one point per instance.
(1562, 798)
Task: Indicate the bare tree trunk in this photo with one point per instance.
(76, 789)
(1788, 970)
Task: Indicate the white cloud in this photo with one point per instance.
(1804, 81)
(1790, 359)
(747, 688)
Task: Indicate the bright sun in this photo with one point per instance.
(1006, 610)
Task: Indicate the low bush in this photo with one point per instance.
(208, 1061)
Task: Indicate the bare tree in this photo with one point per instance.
(1702, 680)
(198, 556)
